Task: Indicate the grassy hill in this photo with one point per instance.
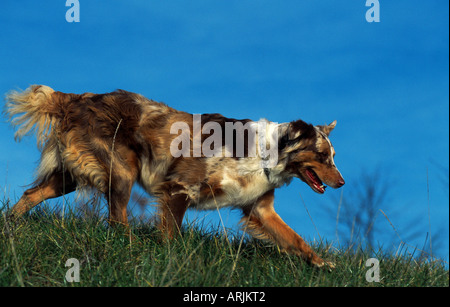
(34, 251)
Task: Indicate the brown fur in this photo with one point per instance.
(110, 141)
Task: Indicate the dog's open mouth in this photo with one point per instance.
(314, 181)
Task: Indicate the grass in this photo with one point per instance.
(34, 251)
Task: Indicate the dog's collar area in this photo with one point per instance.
(267, 172)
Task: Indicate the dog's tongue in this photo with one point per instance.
(316, 183)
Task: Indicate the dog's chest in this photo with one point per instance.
(237, 189)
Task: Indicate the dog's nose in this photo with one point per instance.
(340, 182)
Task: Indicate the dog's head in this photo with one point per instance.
(310, 155)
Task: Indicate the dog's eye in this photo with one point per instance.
(322, 155)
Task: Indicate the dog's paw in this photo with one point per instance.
(330, 265)
(324, 265)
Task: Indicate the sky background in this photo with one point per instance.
(386, 84)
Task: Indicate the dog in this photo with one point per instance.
(110, 141)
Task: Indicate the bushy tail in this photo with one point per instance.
(32, 110)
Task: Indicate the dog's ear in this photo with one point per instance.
(327, 128)
(283, 135)
(283, 130)
(291, 133)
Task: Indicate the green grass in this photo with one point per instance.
(34, 251)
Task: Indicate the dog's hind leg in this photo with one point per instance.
(56, 184)
(172, 209)
(262, 221)
(121, 177)
(118, 196)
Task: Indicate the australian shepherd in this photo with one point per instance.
(110, 141)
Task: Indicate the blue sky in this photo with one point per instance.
(385, 83)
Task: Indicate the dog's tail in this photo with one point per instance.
(33, 110)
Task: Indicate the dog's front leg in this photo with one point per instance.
(262, 221)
